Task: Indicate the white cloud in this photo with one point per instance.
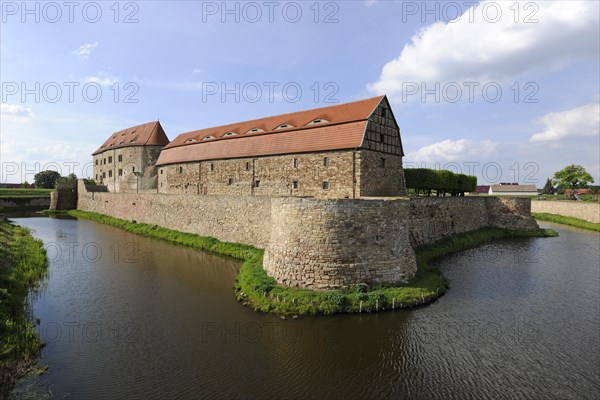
(580, 121)
(472, 49)
(453, 150)
(85, 50)
(15, 110)
(102, 79)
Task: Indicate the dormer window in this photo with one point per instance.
(190, 141)
(132, 140)
(111, 145)
(114, 137)
(208, 137)
(254, 130)
(121, 142)
(230, 134)
(317, 121)
(285, 126)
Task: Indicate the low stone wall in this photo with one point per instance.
(329, 244)
(227, 218)
(435, 218)
(576, 209)
(21, 202)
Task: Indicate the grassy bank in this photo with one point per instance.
(22, 263)
(561, 219)
(256, 289)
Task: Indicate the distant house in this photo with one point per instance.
(579, 192)
(513, 189)
(482, 189)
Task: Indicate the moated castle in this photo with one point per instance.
(320, 190)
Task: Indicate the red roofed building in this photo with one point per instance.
(126, 160)
(348, 150)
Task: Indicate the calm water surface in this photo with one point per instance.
(131, 317)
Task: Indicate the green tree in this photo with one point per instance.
(572, 177)
(46, 179)
(70, 180)
(548, 187)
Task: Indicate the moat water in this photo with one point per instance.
(131, 317)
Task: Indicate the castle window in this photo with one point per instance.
(96, 162)
(384, 112)
(284, 126)
(181, 170)
(120, 158)
(256, 183)
(104, 175)
(247, 166)
(161, 171)
(325, 185)
(317, 121)
(120, 172)
(325, 161)
(96, 176)
(121, 142)
(110, 160)
(382, 138)
(161, 184)
(230, 134)
(132, 169)
(229, 181)
(382, 162)
(208, 137)
(104, 161)
(110, 173)
(295, 163)
(212, 166)
(111, 145)
(190, 140)
(132, 140)
(254, 130)
(295, 184)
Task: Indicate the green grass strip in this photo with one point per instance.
(561, 219)
(255, 288)
(23, 263)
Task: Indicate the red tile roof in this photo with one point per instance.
(342, 127)
(148, 134)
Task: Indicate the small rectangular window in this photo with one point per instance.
(256, 183)
(161, 171)
(161, 184)
(96, 162)
(325, 161)
(110, 173)
(295, 184)
(181, 170)
(120, 172)
(295, 163)
(325, 185)
(382, 162)
(104, 161)
(104, 175)
(247, 166)
(132, 169)
(382, 138)
(384, 112)
(110, 159)
(120, 157)
(212, 166)
(229, 181)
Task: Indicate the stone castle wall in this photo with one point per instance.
(329, 244)
(227, 218)
(319, 243)
(576, 209)
(433, 218)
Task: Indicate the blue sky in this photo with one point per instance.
(504, 90)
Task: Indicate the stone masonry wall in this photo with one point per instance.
(227, 218)
(433, 218)
(115, 167)
(329, 244)
(576, 209)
